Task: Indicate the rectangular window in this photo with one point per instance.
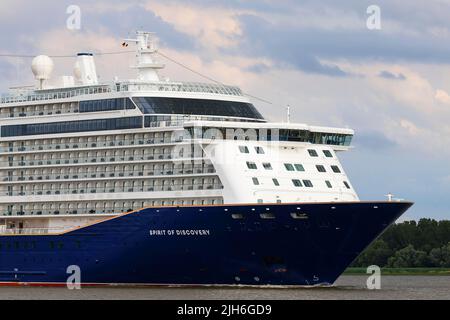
(255, 181)
(297, 183)
(289, 167)
(329, 185)
(252, 165)
(259, 150)
(313, 153)
(299, 167)
(328, 153)
(267, 166)
(275, 182)
(335, 169)
(346, 185)
(243, 149)
(308, 183)
(321, 168)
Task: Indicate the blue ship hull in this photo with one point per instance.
(282, 244)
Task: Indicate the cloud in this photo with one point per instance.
(391, 85)
(442, 96)
(388, 75)
(214, 27)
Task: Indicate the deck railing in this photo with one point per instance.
(57, 94)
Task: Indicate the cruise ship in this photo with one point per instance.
(155, 182)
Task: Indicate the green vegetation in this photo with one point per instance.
(411, 244)
(403, 271)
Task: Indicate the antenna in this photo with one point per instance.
(288, 109)
(390, 197)
(145, 56)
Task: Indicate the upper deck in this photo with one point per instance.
(31, 96)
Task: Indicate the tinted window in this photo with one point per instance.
(289, 167)
(328, 153)
(313, 153)
(259, 150)
(106, 105)
(267, 166)
(275, 182)
(72, 126)
(321, 168)
(308, 183)
(297, 183)
(346, 185)
(255, 181)
(252, 165)
(156, 105)
(335, 169)
(299, 167)
(243, 149)
(329, 185)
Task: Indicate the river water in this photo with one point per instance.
(347, 287)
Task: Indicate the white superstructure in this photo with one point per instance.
(85, 150)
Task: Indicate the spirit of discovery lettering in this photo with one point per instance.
(180, 232)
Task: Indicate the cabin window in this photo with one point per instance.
(313, 153)
(346, 185)
(328, 153)
(299, 167)
(259, 150)
(308, 183)
(275, 182)
(289, 167)
(297, 183)
(243, 149)
(321, 168)
(255, 181)
(335, 169)
(267, 166)
(251, 165)
(328, 183)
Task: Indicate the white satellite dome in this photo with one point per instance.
(42, 67)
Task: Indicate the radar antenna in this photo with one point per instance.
(146, 51)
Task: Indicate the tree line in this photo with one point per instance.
(410, 244)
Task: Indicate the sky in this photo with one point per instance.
(390, 84)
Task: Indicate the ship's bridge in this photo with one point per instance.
(287, 133)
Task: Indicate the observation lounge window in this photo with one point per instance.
(160, 105)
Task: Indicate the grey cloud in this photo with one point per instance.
(389, 75)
